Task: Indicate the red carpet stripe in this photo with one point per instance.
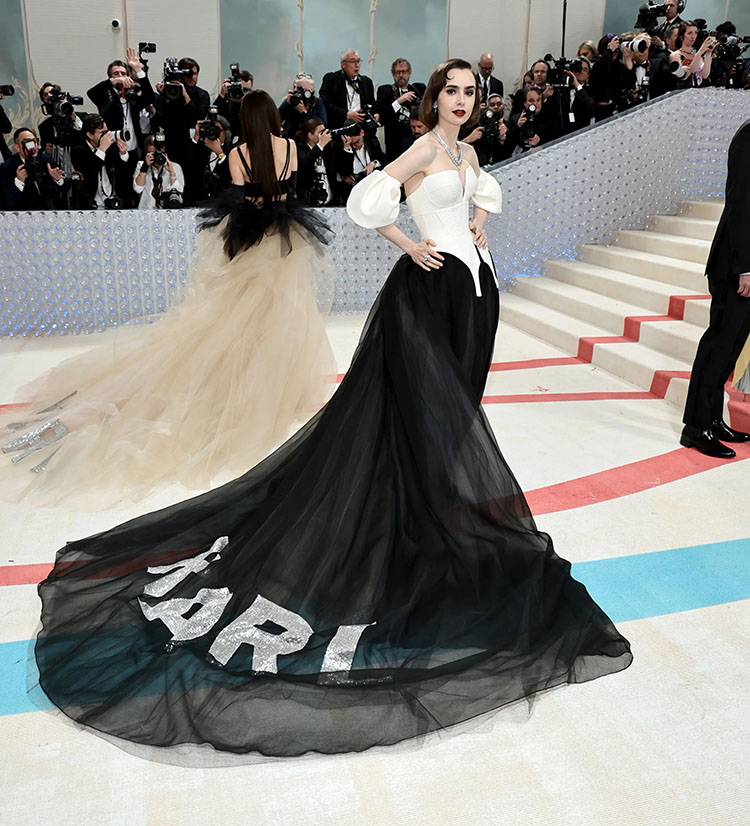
(626, 479)
(593, 396)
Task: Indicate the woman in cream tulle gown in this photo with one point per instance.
(213, 387)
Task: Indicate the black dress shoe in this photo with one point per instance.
(705, 441)
(725, 433)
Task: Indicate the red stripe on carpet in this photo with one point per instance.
(626, 479)
(530, 364)
(522, 398)
(24, 574)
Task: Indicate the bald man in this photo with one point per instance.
(488, 85)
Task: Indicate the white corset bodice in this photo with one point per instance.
(439, 207)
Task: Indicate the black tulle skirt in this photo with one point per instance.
(378, 577)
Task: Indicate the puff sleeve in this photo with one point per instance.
(374, 201)
(488, 196)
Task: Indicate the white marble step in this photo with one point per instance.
(555, 328)
(710, 210)
(644, 292)
(687, 277)
(634, 362)
(697, 312)
(687, 227)
(659, 243)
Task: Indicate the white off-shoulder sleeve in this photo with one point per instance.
(374, 201)
(488, 196)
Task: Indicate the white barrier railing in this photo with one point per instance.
(78, 272)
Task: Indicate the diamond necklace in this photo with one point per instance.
(456, 158)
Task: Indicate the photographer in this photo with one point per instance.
(227, 103)
(493, 145)
(354, 158)
(416, 129)
(673, 19)
(29, 180)
(63, 128)
(314, 152)
(533, 126)
(206, 168)
(609, 81)
(180, 102)
(486, 83)
(120, 100)
(691, 67)
(538, 72)
(300, 105)
(347, 94)
(578, 104)
(730, 69)
(394, 102)
(663, 79)
(103, 161)
(6, 127)
(158, 180)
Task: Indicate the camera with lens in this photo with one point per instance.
(160, 157)
(173, 77)
(209, 129)
(171, 199)
(647, 14)
(369, 124)
(113, 203)
(318, 194)
(351, 131)
(31, 162)
(557, 67)
(404, 113)
(491, 120)
(121, 135)
(638, 45)
(61, 104)
(7, 91)
(235, 89)
(528, 130)
(304, 96)
(145, 48)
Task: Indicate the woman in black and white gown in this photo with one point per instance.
(199, 396)
(380, 575)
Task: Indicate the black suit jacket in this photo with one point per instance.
(395, 129)
(178, 118)
(6, 127)
(199, 184)
(89, 164)
(104, 97)
(496, 87)
(582, 109)
(47, 195)
(307, 157)
(333, 93)
(342, 163)
(730, 252)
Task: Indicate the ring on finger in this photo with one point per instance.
(427, 257)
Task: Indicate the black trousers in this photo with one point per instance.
(719, 348)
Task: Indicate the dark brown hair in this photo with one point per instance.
(259, 119)
(437, 82)
(309, 126)
(91, 123)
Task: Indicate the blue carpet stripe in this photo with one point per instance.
(626, 587)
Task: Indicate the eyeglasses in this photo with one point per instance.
(353, 60)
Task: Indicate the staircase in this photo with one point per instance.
(636, 308)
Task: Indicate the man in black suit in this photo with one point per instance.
(354, 157)
(487, 84)
(30, 180)
(728, 272)
(207, 169)
(178, 115)
(395, 102)
(577, 104)
(346, 92)
(105, 167)
(673, 19)
(121, 97)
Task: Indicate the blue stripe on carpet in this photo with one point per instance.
(626, 587)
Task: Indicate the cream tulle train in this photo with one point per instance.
(194, 398)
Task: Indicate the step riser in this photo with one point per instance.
(685, 281)
(537, 327)
(698, 313)
(670, 247)
(659, 337)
